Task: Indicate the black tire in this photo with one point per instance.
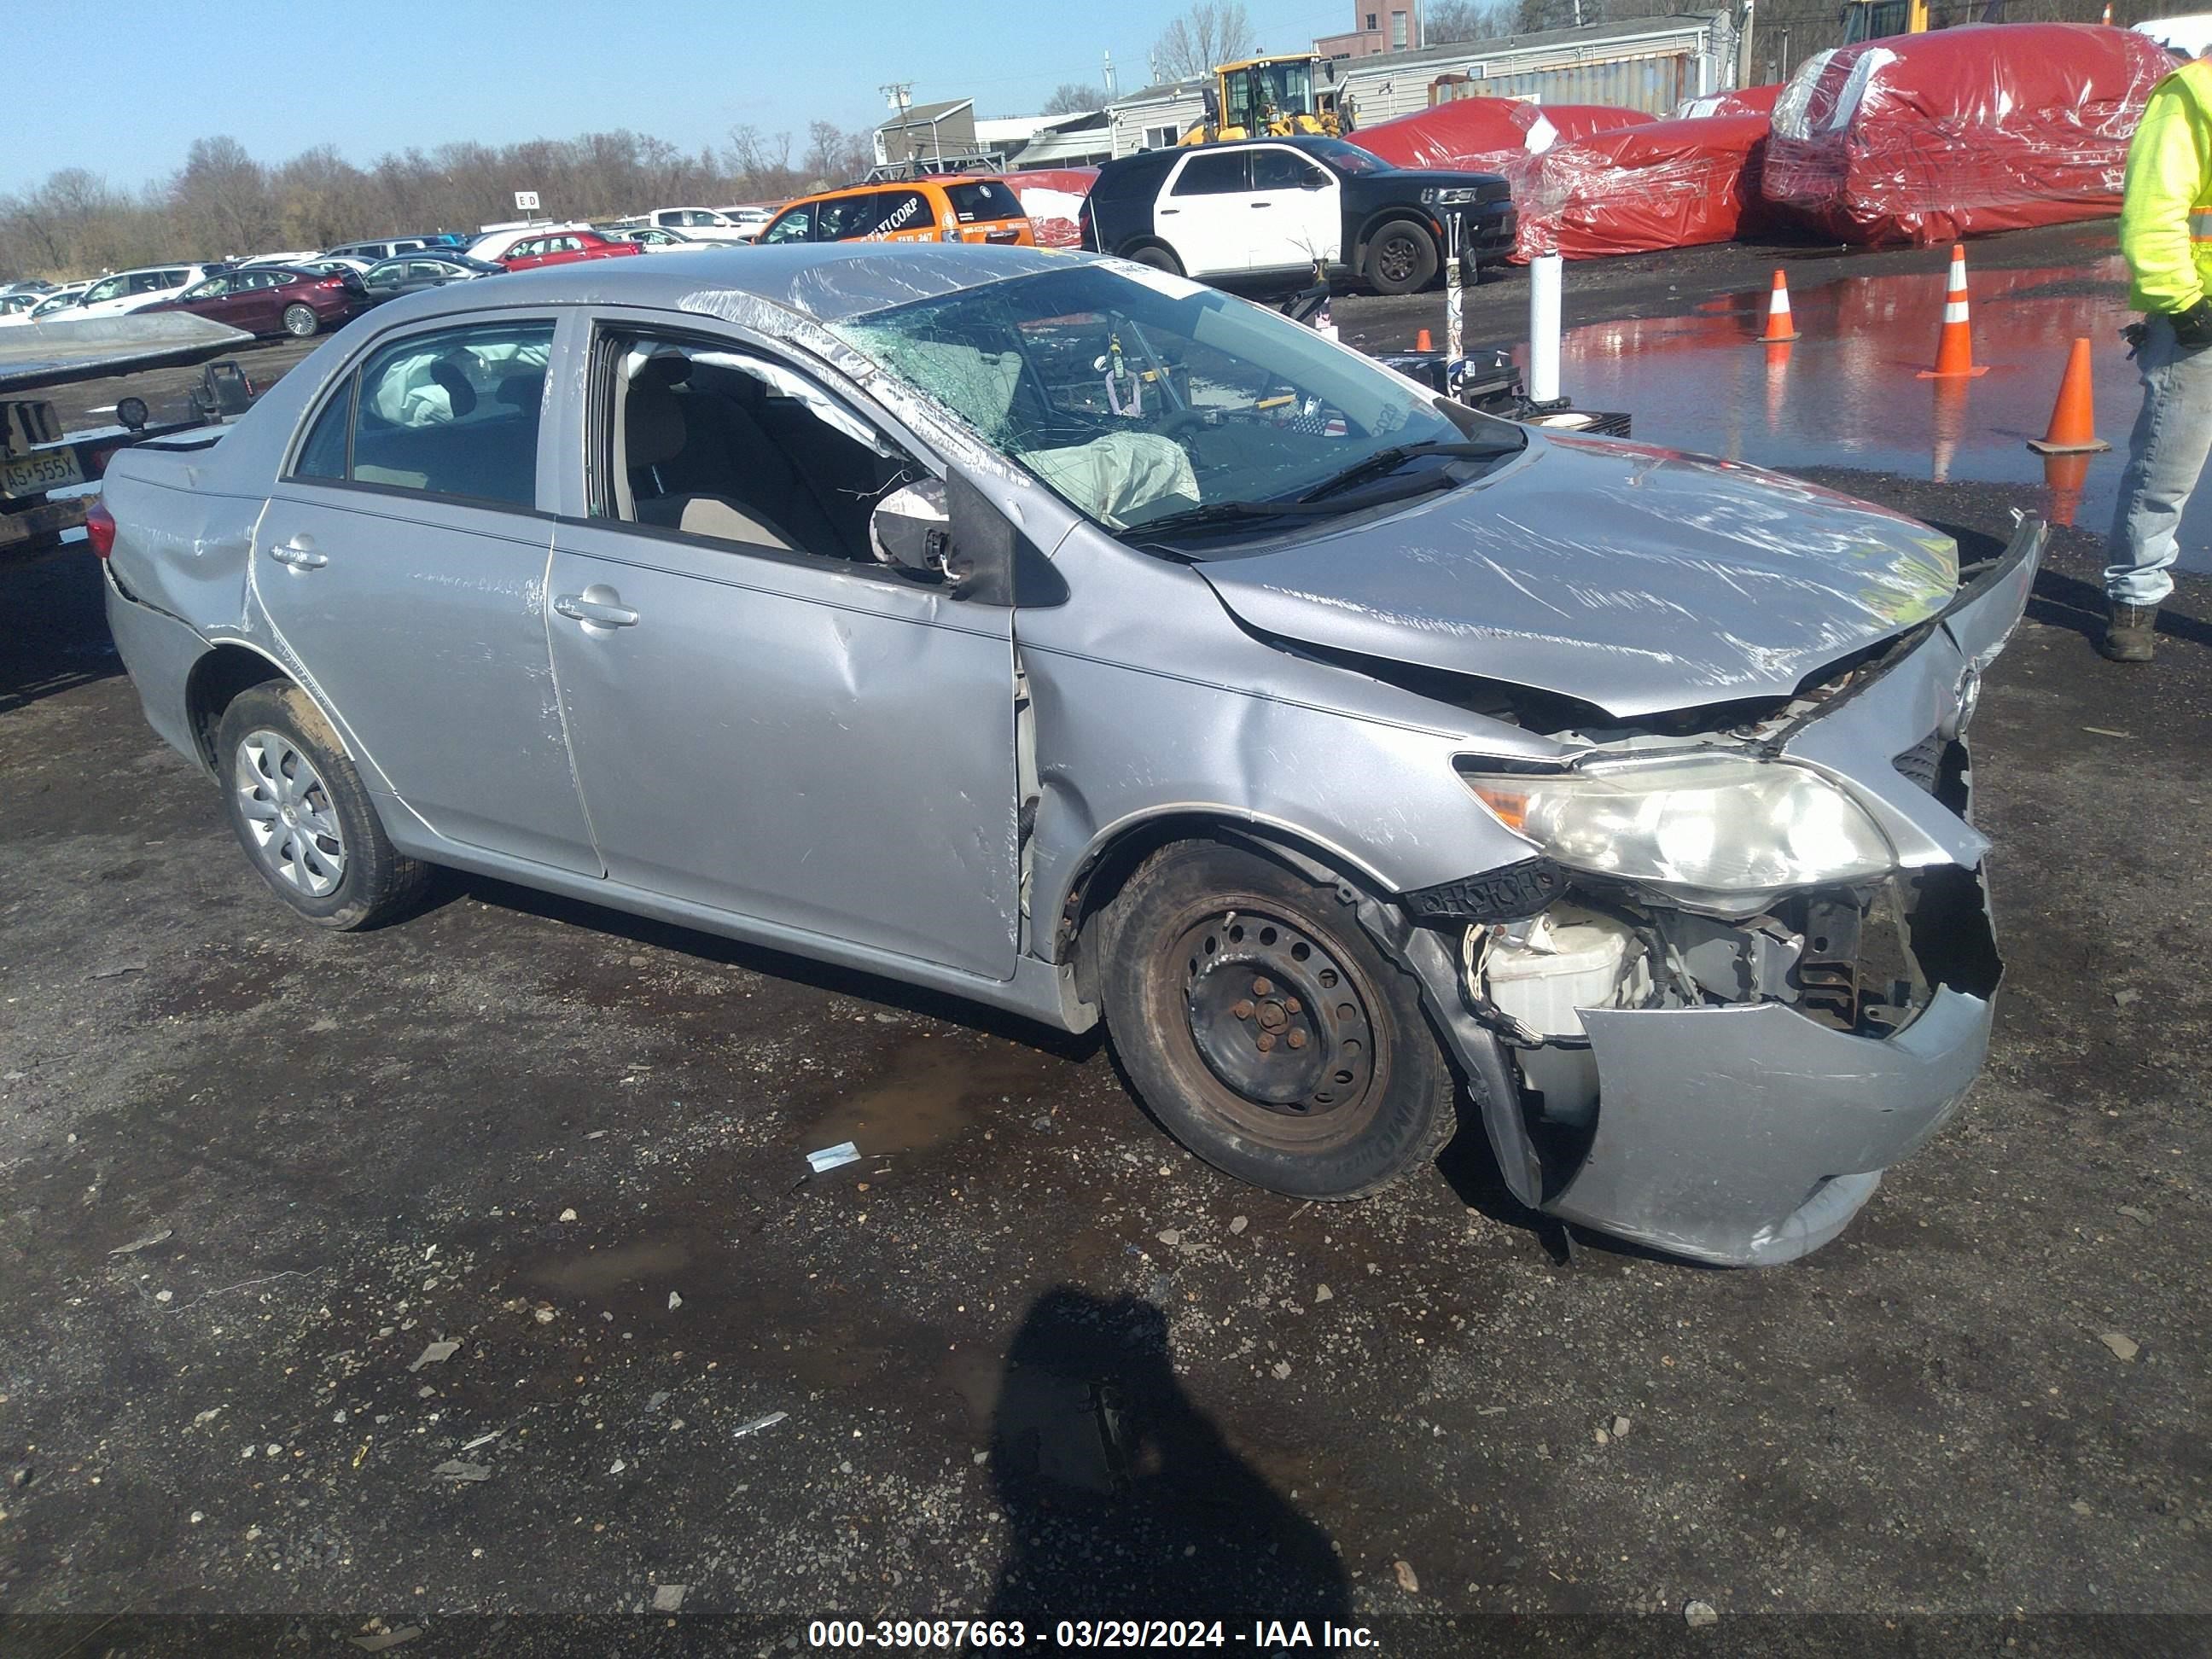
(1211, 950)
(1401, 257)
(374, 880)
(301, 322)
(1157, 255)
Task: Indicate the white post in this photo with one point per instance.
(1544, 329)
(1454, 348)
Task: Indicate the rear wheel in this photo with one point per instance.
(300, 321)
(1401, 257)
(1265, 1029)
(1158, 256)
(300, 812)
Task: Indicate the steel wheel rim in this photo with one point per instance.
(289, 816)
(1397, 258)
(1282, 1025)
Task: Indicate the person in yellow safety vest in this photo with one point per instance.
(2166, 234)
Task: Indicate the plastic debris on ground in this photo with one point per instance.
(758, 1425)
(1925, 138)
(453, 1469)
(832, 1158)
(434, 1353)
(1489, 135)
(1665, 184)
(669, 1598)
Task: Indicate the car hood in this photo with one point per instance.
(1637, 579)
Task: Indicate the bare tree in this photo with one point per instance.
(1212, 32)
(1073, 98)
(1446, 21)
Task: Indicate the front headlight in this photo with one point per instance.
(1711, 827)
(1450, 195)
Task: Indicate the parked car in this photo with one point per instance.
(495, 245)
(298, 258)
(49, 306)
(949, 209)
(269, 299)
(17, 308)
(1263, 213)
(652, 239)
(750, 220)
(1101, 647)
(565, 247)
(127, 291)
(25, 285)
(699, 224)
(390, 246)
(390, 278)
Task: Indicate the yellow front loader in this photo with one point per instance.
(1269, 98)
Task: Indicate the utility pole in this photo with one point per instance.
(1110, 88)
(899, 95)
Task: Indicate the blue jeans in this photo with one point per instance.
(2166, 452)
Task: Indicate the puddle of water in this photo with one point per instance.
(596, 1273)
(1848, 393)
(932, 1089)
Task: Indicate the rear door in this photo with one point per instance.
(763, 719)
(1206, 212)
(402, 561)
(1299, 219)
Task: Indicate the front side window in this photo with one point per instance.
(796, 226)
(736, 447)
(1284, 169)
(111, 288)
(1139, 399)
(452, 413)
(214, 289)
(1213, 172)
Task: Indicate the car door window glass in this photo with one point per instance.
(1284, 169)
(899, 209)
(844, 217)
(796, 226)
(455, 413)
(214, 289)
(324, 454)
(1218, 174)
(737, 448)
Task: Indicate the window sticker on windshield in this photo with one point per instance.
(1176, 287)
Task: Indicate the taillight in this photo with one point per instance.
(100, 527)
(331, 281)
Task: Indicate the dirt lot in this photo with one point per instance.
(1028, 1359)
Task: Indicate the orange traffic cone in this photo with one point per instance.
(1421, 341)
(2073, 418)
(2064, 478)
(1779, 327)
(1955, 346)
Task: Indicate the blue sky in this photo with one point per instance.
(125, 91)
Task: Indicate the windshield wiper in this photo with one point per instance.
(1388, 460)
(1222, 513)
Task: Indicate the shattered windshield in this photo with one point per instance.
(1140, 396)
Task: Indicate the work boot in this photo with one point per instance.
(2131, 631)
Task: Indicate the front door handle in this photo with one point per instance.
(597, 606)
(1261, 205)
(300, 554)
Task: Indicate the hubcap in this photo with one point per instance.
(290, 814)
(1274, 1015)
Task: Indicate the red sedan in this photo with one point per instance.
(564, 248)
(273, 300)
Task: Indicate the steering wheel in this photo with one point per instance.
(1180, 423)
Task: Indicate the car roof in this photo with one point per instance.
(827, 281)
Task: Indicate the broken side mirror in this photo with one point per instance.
(948, 529)
(911, 529)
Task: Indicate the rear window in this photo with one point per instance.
(986, 198)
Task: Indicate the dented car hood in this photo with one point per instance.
(1637, 579)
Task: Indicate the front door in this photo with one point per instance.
(1300, 219)
(1207, 214)
(763, 719)
(403, 562)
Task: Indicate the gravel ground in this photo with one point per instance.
(1028, 1358)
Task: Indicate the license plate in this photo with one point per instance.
(35, 474)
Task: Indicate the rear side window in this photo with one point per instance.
(986, 199)
(900, 210)
(453, 413)
(1215, 174)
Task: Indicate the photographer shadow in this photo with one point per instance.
(1122, 1498)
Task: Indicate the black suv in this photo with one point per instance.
(1262, 212)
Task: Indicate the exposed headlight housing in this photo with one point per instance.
(1714, 830)
(1450, 196)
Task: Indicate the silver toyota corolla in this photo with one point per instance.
(1085, 641)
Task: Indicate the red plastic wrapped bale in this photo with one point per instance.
(1665, 184)
(1053, 197)
(1743, 100)
(1928, 137)
(1489, 135)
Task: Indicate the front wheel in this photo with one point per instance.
(1158, 255)
(302, 814)
(1265, 1029)
(301, 322)
(1401, 257)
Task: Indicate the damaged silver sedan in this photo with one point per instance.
(1088, 643)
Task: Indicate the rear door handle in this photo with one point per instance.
(597, 606)
(1260, 205)
(300, 554)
